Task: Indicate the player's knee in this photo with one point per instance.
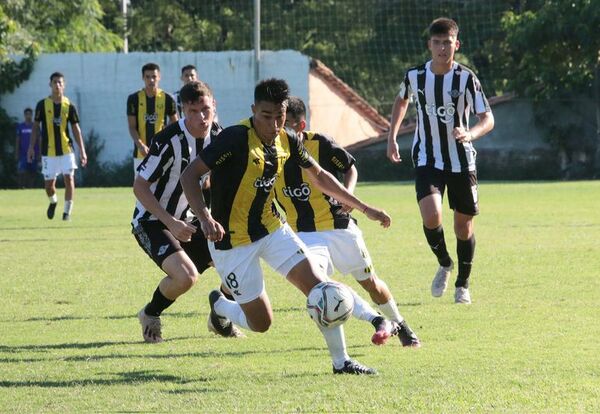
(186, 280)
(261, 325)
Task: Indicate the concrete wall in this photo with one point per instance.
(99, 83)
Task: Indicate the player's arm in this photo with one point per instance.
(135, 136)
(482, 127)
(328, 184)
(350, 179)
(35, 132)
(172, 109)
(192, 188)
(79, 139)
(181, 230)
(18, 145)
(398, 113)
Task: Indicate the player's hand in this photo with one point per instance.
(393, 153)
(30, 155)
(83, 159)
(212, 229)
(143, 149)
(462, 135)
(378, 215)
(181, 230)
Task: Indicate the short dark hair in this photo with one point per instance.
(150, 66)
(272, 90)
(296, 108)
(443, 26)
(28, 109)
(56, 75)
(188, 67)
(193, 91)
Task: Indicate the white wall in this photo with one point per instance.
(99, 83)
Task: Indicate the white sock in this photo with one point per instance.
(390, 309)
(362, 309)
(53, 199)
(68, 206)
(336, 343)
(233, 311)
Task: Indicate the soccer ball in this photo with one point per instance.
(330, 304)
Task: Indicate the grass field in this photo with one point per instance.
(70, 341)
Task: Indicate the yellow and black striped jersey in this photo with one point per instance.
(306, 207)
(53, 116)
(151, 114)
(244, 171)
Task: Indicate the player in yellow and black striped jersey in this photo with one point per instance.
(325, 225)
(52, 117)
(245, 162)
(148, 111)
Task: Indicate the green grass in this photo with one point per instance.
(70, 341)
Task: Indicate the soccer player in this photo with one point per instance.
(26, 171)
(52, 116)
(148, 111)
(162, 223)
(245, 162)
(445, 92)
(325, 225)
(189, 74)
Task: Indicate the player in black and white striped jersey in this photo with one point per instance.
(445, 93)
(162, 221)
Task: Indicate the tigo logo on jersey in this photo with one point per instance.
(301, 193)
(265, 183)
(444, 113)
(150, 118)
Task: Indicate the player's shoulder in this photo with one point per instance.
(167, 133)
(234, 134)
(318, 136)
(461, 68)
(418, 69)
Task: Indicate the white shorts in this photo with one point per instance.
(136, 164)
(239, 267)
(61, 164)
(344, 248)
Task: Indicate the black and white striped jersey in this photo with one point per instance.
(443, 102)
(172, 149)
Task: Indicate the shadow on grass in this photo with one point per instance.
(133, 377)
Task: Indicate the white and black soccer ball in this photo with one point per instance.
(330, 304)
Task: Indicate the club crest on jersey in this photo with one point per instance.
(265, 183)
(301, 193)
(454, 93)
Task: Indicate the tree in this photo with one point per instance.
(551, 56)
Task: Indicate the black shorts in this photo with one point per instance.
(158, 243)
(462, 188)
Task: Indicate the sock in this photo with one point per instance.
(362, 310)
(437, 243)
(465, 250)
(232, 311)
(158, 304)
(229, 296)
(390, 309)
(336, 343)
(68, 206)
(53, 199)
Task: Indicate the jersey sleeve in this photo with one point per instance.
(404, 92)
(132, 104)
(220, 150)
(39, 111)
(336, 156)
(171, 105)
(298, 151)
(73, 115)
(160, 157)
(475, 96)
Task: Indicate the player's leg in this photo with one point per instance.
(350, 255)
(166, 251)
(50, 171)
(463, 198)
(430, 186)
(68, 167)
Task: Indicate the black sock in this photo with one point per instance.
(227, 295)
(465, 250)
(435, 239)
(158, 304)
